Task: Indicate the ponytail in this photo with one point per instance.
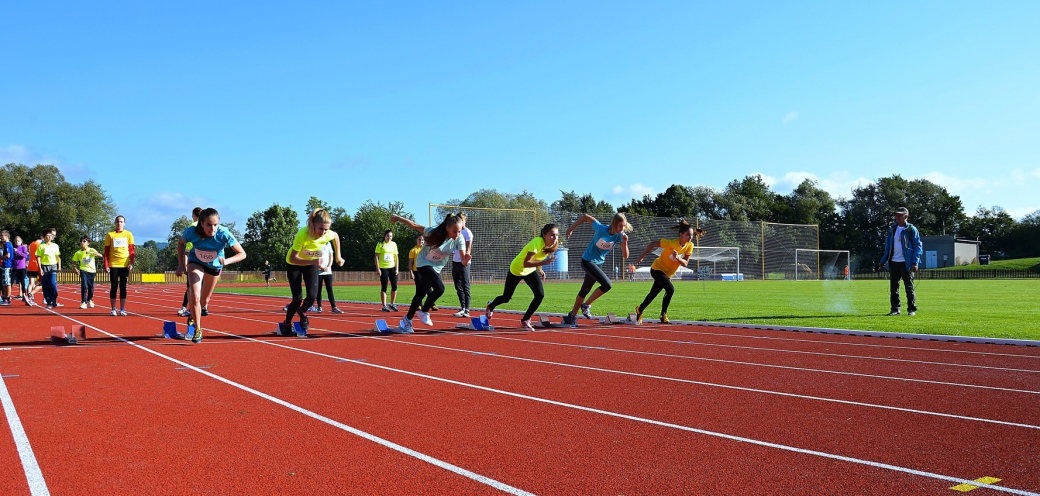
(440, 233)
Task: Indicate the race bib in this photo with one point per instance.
(603, 244)
(436, 255)
(120, 242)
(388, 257)
(206, 256)
(311, 254)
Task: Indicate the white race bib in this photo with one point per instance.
(603, 244)
(120, 242)
(206, 256)
(388, 257)
(436, 255)
(313, 255)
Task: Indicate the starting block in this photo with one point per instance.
(78, 332)
(169, 330)
(297, 330)
(477, 324)
(613, 319)
(543, 320)
(381, 327)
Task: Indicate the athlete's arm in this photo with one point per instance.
(584, 218)
(651, 246)
(408, 222)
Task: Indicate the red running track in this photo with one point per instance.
(600, 409)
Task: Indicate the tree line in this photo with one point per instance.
(36, 198)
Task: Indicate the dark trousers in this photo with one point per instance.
(301, 275)
(118, 276)
(49, 281)
(897, 271)
(533, 280)
(460, 274)
(428, 285)
(86, 286)
(325, 280)
(593, 274)
(661, 281)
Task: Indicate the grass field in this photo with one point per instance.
(1031, 264)
(984, 308)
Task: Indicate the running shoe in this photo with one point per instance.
(424, 318)
(893, 312)
(122, 313)
(393, 307)
(911, 313)
(488, 311)
(385, 309)
(205, 312)
(664, 319)
(197, 337)
(405, 327)
(465, 313)
(115, 313)
(4, 303)
(434, 308)
(336, 310)
(56, 305)
(285, 308)
(639, 316)
(81, 305)
(460, 313)
(183, 312)
(526, 325)
(90, 303)
(305, 323)
(285, 329)
(312, 309)
(570, 319)
(586, 310)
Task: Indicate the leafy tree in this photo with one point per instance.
(37, 198)
(1024, 239)
(749, 199)
(166, 258)
(992, 226)
(360, 235)
(571, 202)
(269, 235)
(808, 204)
(146, 257)
(677, 201)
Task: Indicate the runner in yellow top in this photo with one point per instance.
(527, 267)
(49, 255)
(674, 253)
(119, 261)
(84, 265)
(386, 268)
(302, 262)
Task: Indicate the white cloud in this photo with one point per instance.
(1035, 173)
(1016, 213)
(152, 217)
(790, 117)
(836, 183)
(621, 194)
(952, 183)
(18, 154)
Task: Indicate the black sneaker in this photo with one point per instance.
(285, 329)
(205, 312)
(570, 319)
(305, 323)
(393, 307)
(893, 312)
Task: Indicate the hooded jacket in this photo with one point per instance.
(910, 240)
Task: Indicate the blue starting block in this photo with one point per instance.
(477, 324)
(170, 330)
(381, 327)
(299, 330)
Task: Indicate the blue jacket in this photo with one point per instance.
(911, 242)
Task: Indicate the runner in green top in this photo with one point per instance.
(527, 267)
(83, 262)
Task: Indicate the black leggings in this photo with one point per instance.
(533, 280)
(388, 275)
(184, 303)
(428, 285)
(326, 280)
(593, 274)
(661, 281)
(301, 275)
(118, 275)
(460, 276)
(22, 281)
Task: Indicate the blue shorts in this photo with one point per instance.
(6, 276)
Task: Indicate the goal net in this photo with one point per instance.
(820, 265)
(498, 236)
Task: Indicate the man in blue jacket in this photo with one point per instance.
(903, 250)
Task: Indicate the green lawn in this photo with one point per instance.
(983, 308)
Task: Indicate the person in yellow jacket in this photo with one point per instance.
(84, 263)
(302, 262)
(674, 253)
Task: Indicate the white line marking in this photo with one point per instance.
(357, 432)
(33, 474)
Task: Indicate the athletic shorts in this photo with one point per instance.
(35, 274)
(5, 276)
(207, 270)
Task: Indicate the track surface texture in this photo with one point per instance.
(597, 409)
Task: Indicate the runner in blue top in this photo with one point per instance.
(603, 240)
(441, 242)
(204, 261)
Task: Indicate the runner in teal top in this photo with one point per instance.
(204, 261)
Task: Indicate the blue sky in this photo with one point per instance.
(238, 105)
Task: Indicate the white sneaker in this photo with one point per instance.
(122, 313)
(526, 325)
(424, 318)
(460, 313)
(115, 313)
(83, 305)
(90, 303)
(405, 327)
(488, 312)
(183, 312)
(586, 310)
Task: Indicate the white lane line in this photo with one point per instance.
(501, 486)
(730, 437)
(33, 474)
